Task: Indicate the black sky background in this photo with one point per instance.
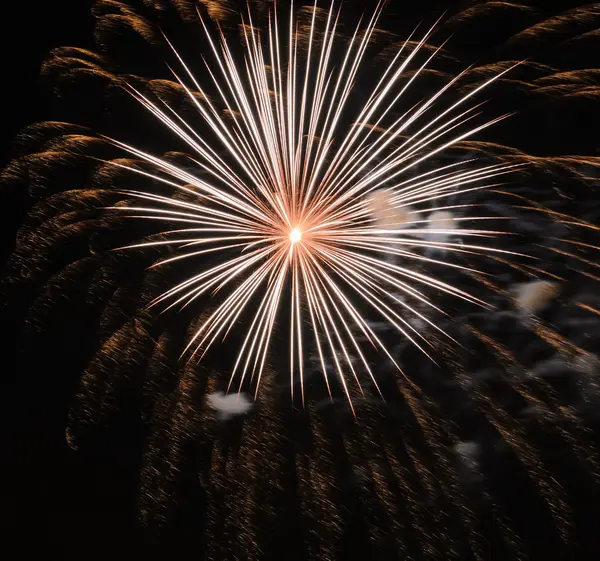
(38, 486)
(54, 503)
(30, 30)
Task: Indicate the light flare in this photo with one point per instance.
(295, 235)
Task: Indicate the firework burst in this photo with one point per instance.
(497, 451)
(302, 213)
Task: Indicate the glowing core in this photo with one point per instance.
(295, 235)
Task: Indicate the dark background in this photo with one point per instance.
(29, 31)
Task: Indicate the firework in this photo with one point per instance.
(303, 213)
(496, 450)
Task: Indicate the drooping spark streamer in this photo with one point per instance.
(285, 199)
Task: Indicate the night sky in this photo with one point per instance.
(111, 441)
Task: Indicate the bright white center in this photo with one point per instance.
(295, 235)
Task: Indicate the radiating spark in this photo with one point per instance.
(294, 211)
